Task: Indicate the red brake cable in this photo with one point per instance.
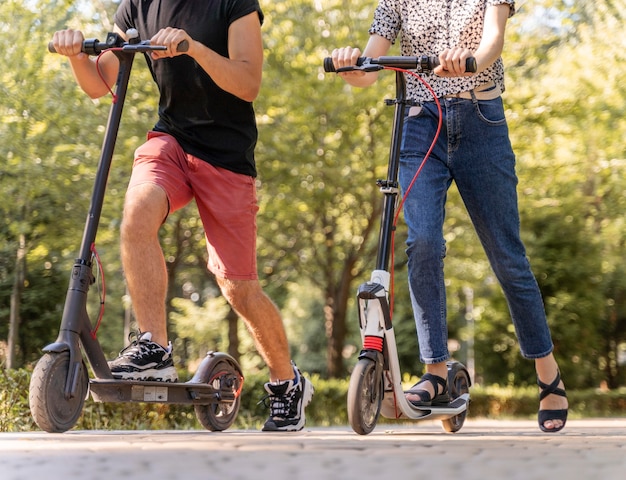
(102, 291)
(417, 173)
(100, 74)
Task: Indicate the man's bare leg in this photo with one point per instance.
(145, 208)
(264, 322)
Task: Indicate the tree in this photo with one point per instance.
(567, 136)
(54, 134)
(34, 229)
(322, 147)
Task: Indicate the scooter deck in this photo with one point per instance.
(157, 392)
(456, 407)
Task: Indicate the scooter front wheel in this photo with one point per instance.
(224, 377)
(52, 411)
(365, 395)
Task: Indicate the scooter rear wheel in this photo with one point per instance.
(365, 395)
(458, 384)
(51, 410)
(224, 377)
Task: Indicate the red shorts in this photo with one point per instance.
(226, 201)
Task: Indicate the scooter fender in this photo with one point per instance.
(56, 347)
(205, 367)
(76, 366)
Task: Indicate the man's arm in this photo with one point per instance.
(241, 73)
(94, 80)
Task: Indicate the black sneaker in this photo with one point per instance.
(286, 402)
(144, 360)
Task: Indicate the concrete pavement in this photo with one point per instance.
(482, 449)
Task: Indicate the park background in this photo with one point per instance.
(322, 146)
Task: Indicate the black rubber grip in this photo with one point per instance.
(470, 64)
(329, 66)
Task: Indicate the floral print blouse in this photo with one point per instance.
(427, 27)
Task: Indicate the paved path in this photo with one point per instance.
(586, 449)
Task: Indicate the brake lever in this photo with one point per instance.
(366, 67)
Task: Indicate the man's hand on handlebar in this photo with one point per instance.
(170, 38)
(69, 43)
(452, 62)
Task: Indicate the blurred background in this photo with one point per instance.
(322, 147)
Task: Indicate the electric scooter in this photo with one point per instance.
(376, 382)
(60, 382)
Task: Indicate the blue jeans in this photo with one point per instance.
(474, 151)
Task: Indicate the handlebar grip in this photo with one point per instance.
(89, 44)
(329, 66)
(470, 63)
(182, 46)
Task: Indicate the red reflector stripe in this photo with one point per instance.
(373, 343)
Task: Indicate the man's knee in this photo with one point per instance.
(145, 208)
(239, 292)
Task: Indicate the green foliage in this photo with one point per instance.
(522, 402)
(321, 148)
(14, 412)
(31, 119)
(322, 145)
(327, 409)
(136, 416)
(564, 117)
(50, 161)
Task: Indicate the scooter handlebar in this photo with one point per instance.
(423, 63)
(93, 46)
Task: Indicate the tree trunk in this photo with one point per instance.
(233, 334)
(332, 326)
(335, 315)
(16, 300)
(173, 265)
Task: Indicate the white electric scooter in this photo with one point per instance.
(376, 382)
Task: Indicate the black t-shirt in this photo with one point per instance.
(208, 122)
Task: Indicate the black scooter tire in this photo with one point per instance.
(51, 411)
(458, 384)
(224, 376)
(365, 395)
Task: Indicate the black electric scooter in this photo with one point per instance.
(60, 382)
(376, 381)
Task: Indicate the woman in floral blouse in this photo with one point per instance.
(475, 152)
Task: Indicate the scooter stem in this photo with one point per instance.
(75, 322)
(390, 187)
(106, 155)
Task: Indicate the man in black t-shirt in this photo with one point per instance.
(201, 148)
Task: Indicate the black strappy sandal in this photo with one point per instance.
(425, 398)
(545, 415)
